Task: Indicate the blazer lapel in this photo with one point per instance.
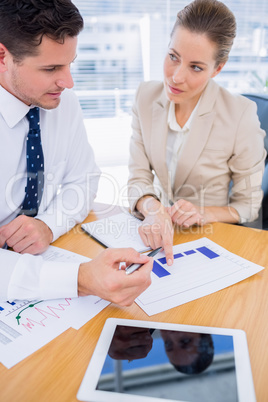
(159, 141)
(198, 135)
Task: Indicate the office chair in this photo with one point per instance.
(262, 110)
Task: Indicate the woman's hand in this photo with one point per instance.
(157, 228)
(184, 213)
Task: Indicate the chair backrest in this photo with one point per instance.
(262, 109)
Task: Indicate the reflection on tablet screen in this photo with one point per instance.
(174, 365)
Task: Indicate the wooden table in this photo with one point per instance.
(54, 372)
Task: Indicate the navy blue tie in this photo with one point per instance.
(35, 166)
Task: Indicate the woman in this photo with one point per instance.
(192, 138)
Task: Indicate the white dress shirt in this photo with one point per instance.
(175, 139)
(71, 182)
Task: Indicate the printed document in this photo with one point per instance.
(200, 267)
(119, 230)
(25, 326)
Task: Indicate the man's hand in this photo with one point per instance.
(26, 235)
(102, 276)
(157, 228)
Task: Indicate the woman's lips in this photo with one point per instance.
(175, 91)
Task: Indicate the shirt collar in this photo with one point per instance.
(11, 108)
(172, 122)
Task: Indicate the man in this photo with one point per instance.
(38, 42)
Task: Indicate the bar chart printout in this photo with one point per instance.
(200, 268)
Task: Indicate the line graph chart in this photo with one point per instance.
(39, 316)
(18, 316)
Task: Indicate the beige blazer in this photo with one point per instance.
(225, 145)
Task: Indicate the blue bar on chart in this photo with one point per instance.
(11, 303)
(203, 250)
(189, 252)
(164, 261)
(179, 255)
(159, 271)
(2, 308)
(207, 252)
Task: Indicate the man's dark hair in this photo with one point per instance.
(23, 23)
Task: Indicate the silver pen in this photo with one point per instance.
(132, 267)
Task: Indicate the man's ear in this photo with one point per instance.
(3, 58)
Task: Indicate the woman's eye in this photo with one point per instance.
(197, 69)
(172, 57)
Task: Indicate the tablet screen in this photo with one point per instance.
(170, 364)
